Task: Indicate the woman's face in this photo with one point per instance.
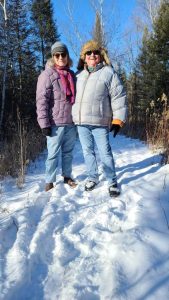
(92, 58)
(60, 59)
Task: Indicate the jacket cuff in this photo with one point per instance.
(118, 122)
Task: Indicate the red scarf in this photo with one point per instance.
(68, 83)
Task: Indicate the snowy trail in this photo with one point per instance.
(74, 245)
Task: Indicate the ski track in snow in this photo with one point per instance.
(75, 245)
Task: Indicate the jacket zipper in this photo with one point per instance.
(81, 100)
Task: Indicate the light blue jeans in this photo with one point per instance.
(89, 135)
(61, 140)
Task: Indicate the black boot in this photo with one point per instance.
(90, 185)
(114, 191)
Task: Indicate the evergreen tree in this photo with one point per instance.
(21, 67)
(45, 29)
(154, 57)
(98, 32)
(160, 48)
(20, 46)
(150, 79)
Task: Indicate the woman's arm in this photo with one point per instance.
(43, 94)
(118, 100)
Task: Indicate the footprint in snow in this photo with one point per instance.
(65, 250)
(77, 227)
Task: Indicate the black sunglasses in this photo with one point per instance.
(63, 55)
(95, 52)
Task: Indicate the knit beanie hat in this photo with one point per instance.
(59, 47)
(94, 45)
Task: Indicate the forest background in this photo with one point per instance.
(140, 54)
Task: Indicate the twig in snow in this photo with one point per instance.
(165, 215)
(164, 185)
(15, 223)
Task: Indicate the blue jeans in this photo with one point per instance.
(61, 140)
(100, 135)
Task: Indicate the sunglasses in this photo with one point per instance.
(95, 52)
(63, 55)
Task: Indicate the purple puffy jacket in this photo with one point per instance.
(52, 107)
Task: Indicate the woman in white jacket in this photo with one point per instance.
(100, 107)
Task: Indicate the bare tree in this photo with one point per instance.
(74, 29)
(109, 23)
(148, 12)
(72, 32)
(144, 16)
(153, 8)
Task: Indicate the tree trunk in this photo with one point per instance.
(3, 92)
(5, 65)
(43, 54)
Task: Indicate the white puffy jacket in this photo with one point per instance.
(100, 98)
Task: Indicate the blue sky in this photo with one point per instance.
(118, 15)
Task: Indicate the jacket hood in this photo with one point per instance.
(50, 63)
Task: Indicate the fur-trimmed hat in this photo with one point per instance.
(94, 45)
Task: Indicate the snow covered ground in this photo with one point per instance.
(76, 245)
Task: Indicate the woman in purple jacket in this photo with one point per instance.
(55, 96)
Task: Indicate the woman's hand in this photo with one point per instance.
(47, 131)
(116, 128)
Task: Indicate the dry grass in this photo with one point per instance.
(15, 156)
(157, 126)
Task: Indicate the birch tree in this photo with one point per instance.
(147, 12)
